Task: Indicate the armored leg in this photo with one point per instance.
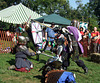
(75, 58)
(80, 63)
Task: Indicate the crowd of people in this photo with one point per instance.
(14, 31)
(90, 41)
(67, 45)
(71, 42)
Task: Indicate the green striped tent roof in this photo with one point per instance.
(17, 14)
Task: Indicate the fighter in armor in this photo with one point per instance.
(75, 48)
(58, 61)
(61, 52)
(21, 62)
(30, 44)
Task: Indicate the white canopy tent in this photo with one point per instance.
(17, 14)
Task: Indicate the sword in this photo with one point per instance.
(47, 55)
(38, 52)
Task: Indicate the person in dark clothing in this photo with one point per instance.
(30, 44)
(21, 61)
(75, 48)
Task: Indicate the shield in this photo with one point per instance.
(36, 33)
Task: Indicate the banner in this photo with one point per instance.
(84, 25)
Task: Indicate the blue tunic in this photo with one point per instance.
(50, 34)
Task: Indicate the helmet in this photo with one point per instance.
(22, 40)
(75, 23)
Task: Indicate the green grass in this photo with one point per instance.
(11, 76)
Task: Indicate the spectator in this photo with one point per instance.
(85, 44)
(89, 41)
(14, 38)
(17, 28)
(94, 40)
(9, 35)
(20, 28)
(81, 31)
(89, 36)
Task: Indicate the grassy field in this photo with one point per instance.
(12, 76)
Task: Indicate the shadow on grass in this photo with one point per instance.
(40, 77)
(31, 57)
(42, 61)
(89, 60)
(11, 62)
(76, 71)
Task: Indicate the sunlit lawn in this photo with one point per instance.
(12, 76)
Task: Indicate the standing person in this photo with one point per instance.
(74, 37)
(89, 41)
(81, 31)
(94, 40)
(89, 36)
(49, 36)
(85, 44)
(17, 28)
(20, 28)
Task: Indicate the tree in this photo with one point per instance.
(89, 12)
(12, 2)
(95, 9)
(3, 4)
(86, 13)
(44, 7)
(97, 12)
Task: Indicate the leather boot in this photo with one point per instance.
(85, 70)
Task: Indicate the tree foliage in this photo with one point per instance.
(3, 4)
(89, 12)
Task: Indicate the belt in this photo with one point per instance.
(74, 41)
(51, 37)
